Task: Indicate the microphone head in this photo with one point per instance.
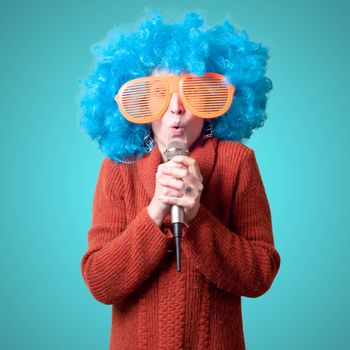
(175, 148)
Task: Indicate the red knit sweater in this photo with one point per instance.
(227, 252)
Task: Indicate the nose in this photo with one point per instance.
(176, 105)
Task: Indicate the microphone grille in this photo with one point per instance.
(175, 148)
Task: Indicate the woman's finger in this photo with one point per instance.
(185, 202)
(192, 186)
(175, 172)
(191, 164)
(171, 182)
(169, 192)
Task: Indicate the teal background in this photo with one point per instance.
(49, 169)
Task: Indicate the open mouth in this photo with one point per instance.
(176, 130)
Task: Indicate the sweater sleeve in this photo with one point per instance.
(240, 259)
(120, 257)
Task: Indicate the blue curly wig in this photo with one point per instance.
(186, 46)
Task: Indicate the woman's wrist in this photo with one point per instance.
(158, 220)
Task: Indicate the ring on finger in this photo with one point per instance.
(188, 189)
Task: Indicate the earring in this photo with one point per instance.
(208, 131)
(148, 141)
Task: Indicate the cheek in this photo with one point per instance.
(195, 129)
(155, 126)
(197, 125)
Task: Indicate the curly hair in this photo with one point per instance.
(189, 46)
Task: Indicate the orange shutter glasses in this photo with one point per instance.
(143, 100)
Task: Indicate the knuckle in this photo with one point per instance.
(168, 191)
(185, 172)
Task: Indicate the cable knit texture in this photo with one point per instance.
(227, 252)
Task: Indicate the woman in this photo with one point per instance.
(227, 246)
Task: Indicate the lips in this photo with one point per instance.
(176, 125)
(177, 131)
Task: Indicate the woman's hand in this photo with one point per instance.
(178, 182)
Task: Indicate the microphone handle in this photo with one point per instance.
(177, 219)
(177, 231)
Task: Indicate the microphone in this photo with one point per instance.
(176, 148)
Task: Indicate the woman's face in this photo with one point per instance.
(177, 123)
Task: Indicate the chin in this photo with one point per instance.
(182, 138)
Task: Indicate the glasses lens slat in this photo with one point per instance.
(206, 95)
(143, 99)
